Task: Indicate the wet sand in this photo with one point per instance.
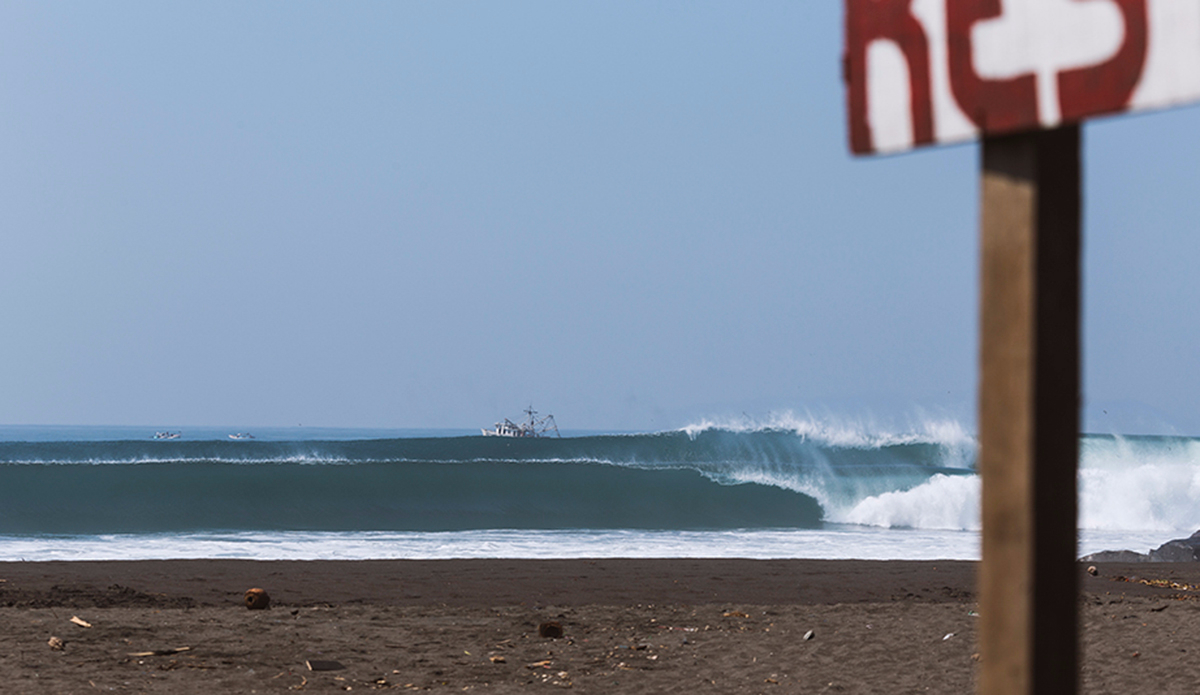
(637, 626)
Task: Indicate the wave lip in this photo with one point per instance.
(842, 432)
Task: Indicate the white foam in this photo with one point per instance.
(1124, 486)
(948, 502)
(847, 542)
(1140, 484)
(306, 459)
(832, 543)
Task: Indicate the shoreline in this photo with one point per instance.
(495, 582)
(498, 581)
(642, 626)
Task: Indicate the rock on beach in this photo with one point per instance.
(1178, 550)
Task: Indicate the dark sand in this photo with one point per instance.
(631, 626)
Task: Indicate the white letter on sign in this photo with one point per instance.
(889, 99)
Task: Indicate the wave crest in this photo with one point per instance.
(855, 433)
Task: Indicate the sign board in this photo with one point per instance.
(935, 71)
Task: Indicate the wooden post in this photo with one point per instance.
(1029, 398)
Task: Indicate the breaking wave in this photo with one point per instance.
(785, 472)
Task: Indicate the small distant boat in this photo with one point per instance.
(241, 435)
(168, 435)
(532, 427)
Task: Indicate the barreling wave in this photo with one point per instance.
(700, 478)
(780, 474)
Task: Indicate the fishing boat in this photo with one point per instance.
(531, 427)
(241, 435)
(168, 435)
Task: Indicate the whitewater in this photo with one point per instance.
(787, 488)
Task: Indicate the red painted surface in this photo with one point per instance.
(867, 21)
(994, 105)
(1107, 87)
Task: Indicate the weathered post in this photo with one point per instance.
(1029, 394)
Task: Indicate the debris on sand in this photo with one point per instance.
(257, 599)
(162, 652)
(57, 644)
(551, 629)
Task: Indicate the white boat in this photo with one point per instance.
(532, 427)
(168, 435)
(241, 435)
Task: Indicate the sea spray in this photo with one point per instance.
(1148, 483)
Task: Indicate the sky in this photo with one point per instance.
(634, 215)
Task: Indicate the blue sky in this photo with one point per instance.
(634, 215)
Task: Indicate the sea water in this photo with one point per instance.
(791, 488)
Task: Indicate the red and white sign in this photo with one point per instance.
(932, 71)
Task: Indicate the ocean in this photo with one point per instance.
(789, 489)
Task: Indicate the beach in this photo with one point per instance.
(640, 626)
